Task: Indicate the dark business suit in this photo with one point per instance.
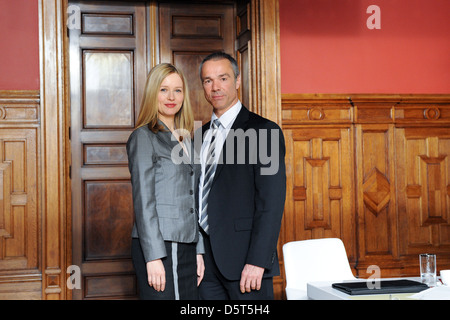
(245, 207)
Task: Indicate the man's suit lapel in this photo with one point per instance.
(239, 123)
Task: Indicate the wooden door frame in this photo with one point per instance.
(54, 146)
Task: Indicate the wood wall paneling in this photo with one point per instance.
(425, 184)
(20, 246)
(320, 187)
(390, 155)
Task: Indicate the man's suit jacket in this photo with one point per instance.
(163, 193)
(245, 207)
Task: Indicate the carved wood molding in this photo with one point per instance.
(19, 106)
(53, 137)
(266, 58)
(401, 110)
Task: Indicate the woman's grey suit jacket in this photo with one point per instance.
(163, 193)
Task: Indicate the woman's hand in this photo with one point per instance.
(156, 275)
(200, 269)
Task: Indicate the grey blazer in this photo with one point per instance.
(163, 193)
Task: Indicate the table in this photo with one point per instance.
(322, 290)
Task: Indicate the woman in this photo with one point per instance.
(167, 247)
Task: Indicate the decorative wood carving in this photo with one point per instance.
(376, 191)
(19, 107)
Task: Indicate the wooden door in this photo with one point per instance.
(107, 74)
(109, 61)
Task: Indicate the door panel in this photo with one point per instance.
(107, 220)
(188, 33)
(108, 73)
(108, 83)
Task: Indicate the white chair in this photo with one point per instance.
(314, 260)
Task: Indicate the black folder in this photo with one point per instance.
(385, 286)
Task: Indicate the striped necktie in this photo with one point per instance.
(210, 169)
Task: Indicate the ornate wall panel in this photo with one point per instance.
(375, 194)
(319, 189)
(319, 144)
(425, 183)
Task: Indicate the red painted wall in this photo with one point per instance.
(19, 45)
(326, 47)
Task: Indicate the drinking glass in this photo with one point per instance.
(428, 269)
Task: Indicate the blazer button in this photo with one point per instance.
(191, 192)
(192, 210)
(192, 172)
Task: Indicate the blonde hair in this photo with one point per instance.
(148, 115)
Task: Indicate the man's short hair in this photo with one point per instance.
(219, 55)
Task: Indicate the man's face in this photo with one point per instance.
(219, 85)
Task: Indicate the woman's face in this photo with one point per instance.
(170, 96)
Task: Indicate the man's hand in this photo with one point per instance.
(251, 278)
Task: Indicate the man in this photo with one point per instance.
(241, 192)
